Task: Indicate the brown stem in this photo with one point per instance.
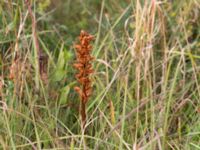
(83, 113)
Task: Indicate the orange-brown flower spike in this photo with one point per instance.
(84, 67)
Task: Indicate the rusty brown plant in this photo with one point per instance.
(84, 67)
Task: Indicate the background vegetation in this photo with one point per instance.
(146, 85)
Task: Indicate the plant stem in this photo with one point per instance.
(83, 113)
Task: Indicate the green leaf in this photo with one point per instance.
(68, 55)
(61, 60)
(59, 75)
(64, 94)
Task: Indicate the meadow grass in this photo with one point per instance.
(146, 83)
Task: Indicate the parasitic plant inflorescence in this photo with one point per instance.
(84, 67)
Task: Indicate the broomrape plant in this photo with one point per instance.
(84, 67)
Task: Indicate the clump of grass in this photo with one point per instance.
(84, 66)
